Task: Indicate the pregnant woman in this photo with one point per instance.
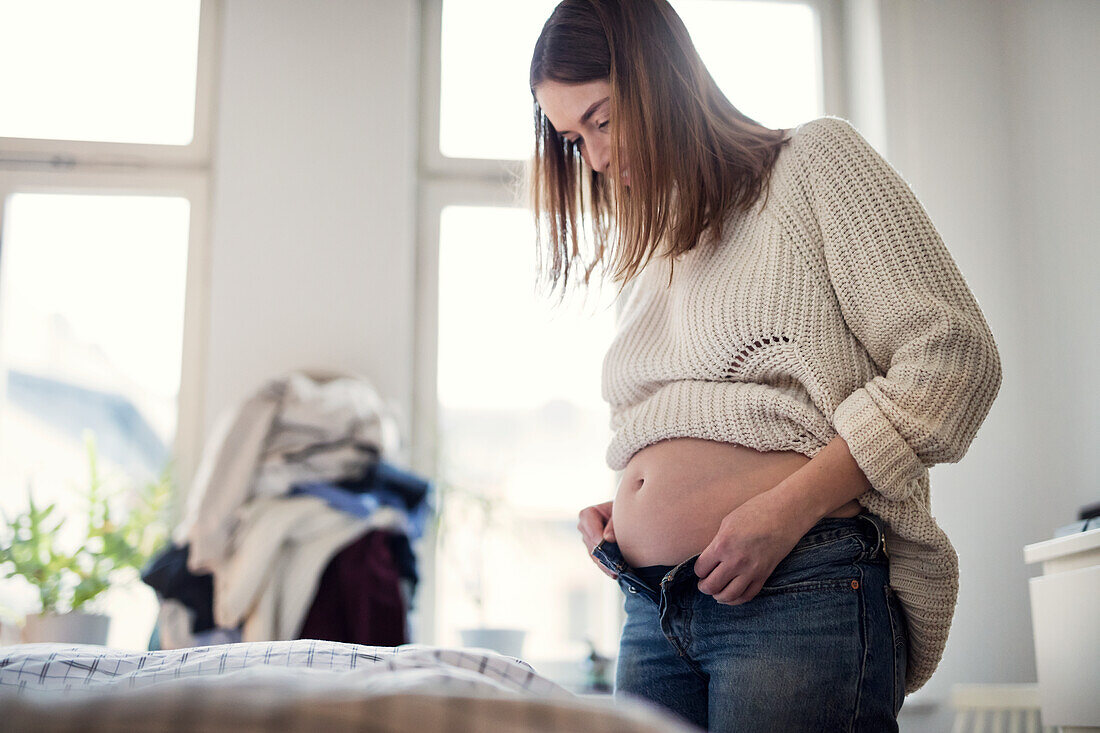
(795, 348)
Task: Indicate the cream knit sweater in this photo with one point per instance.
(833, 309)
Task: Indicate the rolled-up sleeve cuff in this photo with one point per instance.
(888, 461)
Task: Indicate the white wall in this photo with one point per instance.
(991, 114)
(314, 194)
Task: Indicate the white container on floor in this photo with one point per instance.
(1065, 606)
(76, 628)
(505, 641)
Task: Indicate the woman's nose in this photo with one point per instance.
(600, 158)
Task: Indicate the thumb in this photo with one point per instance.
(609, 532)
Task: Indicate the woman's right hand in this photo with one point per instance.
(595, 525)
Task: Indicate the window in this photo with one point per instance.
(511, 422)
(485, 108)
(119, 82)
(520, 424)
(104, 145)
(91, 314)
(81, 81)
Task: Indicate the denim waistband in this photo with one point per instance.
(871, 526)
(865, 523)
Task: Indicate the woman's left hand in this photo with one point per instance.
(750, 542)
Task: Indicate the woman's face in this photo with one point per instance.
(580, 113)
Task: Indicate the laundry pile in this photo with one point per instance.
(297, 525)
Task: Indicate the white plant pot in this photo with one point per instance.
(504, 640)
(75, 627)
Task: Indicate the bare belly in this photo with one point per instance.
(674, 494)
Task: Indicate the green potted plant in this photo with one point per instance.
(111, 551)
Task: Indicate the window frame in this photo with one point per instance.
(108, 168)
(444, 181)
(196, 154)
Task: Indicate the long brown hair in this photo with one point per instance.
(694, 157)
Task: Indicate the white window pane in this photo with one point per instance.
(110, 70)
(510, 360)
(522, 423)
(485, 104)
(765, 56)
(91, 333)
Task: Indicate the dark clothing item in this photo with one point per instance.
(382, 474)
(403, 557)
(363, 505)
(382, 484)
(168, 575)
(359, 599)
(653, 574)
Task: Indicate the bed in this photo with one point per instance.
(302, 685)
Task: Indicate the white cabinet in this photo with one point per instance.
(1065, 618)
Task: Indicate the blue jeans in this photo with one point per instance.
(821, 647)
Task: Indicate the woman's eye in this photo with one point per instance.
(605, 124)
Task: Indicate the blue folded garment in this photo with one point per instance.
(364, 504)
(359, 505)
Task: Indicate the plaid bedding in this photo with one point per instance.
(299, 686)
(70, 667)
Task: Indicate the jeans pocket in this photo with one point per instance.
(899, 630)
(829, 562)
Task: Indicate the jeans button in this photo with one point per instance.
(633, 589)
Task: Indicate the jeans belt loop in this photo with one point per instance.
(880, 529)
(882, 532)
(880, 525)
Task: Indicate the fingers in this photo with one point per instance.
(705, 564)
(591, 526)
(716, 580)
(733, 590)
(594, 523)
(749, 593)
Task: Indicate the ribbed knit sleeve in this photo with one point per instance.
(903, 297)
